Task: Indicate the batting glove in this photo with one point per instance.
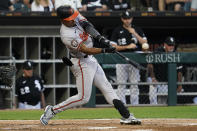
(103, 40)
(111, 49)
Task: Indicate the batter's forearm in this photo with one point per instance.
(89, 51)
(92, 51)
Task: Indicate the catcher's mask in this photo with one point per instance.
(67, 13)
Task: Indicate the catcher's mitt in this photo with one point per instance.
(6, 74)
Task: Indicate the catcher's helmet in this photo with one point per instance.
(67, 13)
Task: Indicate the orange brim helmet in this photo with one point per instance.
(67, 13)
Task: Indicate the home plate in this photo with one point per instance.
(99, 128)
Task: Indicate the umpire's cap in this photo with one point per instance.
(170, 41)
(28, 65)
(67, 13)
(126, 15)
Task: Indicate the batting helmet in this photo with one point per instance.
(67, 13)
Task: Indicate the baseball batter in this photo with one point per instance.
(75, 34)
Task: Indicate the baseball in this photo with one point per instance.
(145, 46)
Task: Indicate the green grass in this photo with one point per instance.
(105, 113)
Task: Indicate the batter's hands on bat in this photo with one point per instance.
(110, 49)
(103, 40)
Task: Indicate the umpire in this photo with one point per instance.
(29, 89)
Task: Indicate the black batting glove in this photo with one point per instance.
(111, 49)
(103, 40)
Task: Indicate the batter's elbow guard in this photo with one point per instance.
(89, 28)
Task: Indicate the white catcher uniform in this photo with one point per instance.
(86, 69)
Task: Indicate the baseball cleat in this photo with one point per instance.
(130, 121)
(48, 114)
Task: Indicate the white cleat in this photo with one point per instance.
(130, 121)
(48, 114)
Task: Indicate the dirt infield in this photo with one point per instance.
(99, 125)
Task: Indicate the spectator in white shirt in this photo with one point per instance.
(75, 4)
(42, 5)
(194, 5)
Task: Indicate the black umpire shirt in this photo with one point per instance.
(161, 70)
(28, 89)
(123, 37)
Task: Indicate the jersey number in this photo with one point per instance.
(25, 90)
(122, 41)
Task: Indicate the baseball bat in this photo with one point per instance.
(135, 64)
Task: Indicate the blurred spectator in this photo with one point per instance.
(171, 5)
(6, 5)
(149, 4)
(118, 5)
(22, 5)
(94, 5)
(194, 5)
(159, 72)
(13, 1)
(29, 89)
(31, 1)
(75, 4)
(42, 5)
(123, 35)
(187, 5)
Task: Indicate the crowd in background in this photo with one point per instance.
(100, 5)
